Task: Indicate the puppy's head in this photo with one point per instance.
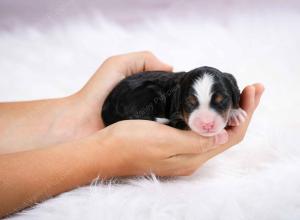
(207, 96)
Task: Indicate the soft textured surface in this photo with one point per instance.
(257, 179)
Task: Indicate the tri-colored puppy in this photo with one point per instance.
(204, 100)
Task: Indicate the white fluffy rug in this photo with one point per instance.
(258, 179)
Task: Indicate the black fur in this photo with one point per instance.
(157, 94)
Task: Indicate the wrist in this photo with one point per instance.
(77, 119)
(103, 154)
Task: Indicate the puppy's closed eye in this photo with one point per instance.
(218, 98)
(192, 100)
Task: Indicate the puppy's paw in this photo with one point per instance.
(236, 117)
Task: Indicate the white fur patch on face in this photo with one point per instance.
(162, 120)
(202, 87)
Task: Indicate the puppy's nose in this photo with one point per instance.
(207, 126)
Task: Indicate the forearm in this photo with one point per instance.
(27, 125)
(32, 176)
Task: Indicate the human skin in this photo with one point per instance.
(51, 146)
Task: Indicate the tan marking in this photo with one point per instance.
(192, 99)
(219, 98)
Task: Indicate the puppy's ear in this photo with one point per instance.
(233, 89)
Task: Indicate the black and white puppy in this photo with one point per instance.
(204, 100)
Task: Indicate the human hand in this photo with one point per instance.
(116, 68)
(87, 103)
(138, 147)
(60, 120)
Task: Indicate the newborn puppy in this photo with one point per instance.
(204, 100)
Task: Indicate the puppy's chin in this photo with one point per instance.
(207, 134)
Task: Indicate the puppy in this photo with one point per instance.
(204, 100)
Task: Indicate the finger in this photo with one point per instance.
(259, 90)
(188, 142)
(180, 165)
(184, 164)
(141, 61)
(116, 68)
(247, 102)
